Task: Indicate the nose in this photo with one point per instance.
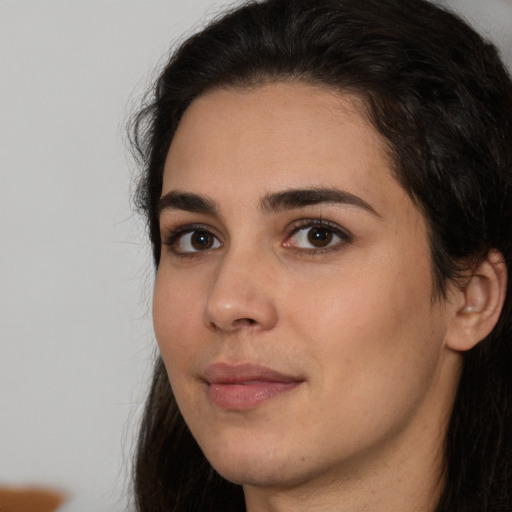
(241, 296)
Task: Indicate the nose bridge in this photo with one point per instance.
(241, 294)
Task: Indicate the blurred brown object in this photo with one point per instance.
(29, 499)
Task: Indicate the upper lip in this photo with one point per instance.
(224, 373)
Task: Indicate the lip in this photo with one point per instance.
(245, 386)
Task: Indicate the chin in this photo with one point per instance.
(260, 466)
(258, 474)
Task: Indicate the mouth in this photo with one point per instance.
(240, 387)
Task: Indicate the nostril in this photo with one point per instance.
(239, 322)
(245, 321)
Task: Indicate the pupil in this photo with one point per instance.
(202, 240)
(319, 237)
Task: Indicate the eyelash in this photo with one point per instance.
(175, 235)
(307, 224)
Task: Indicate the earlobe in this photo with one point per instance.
(480, 304)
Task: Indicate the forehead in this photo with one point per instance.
(275, 136)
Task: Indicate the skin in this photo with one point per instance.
(355, 322)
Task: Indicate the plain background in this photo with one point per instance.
(76, 340)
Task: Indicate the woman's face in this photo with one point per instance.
(293, 304)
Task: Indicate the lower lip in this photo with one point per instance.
(247, 395)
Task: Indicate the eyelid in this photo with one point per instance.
(296, 225)
(170, 236)
(309, 223)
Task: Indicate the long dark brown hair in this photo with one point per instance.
(442, 99)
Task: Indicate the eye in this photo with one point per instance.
(317, 237)
(186, 241)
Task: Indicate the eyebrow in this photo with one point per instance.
(271, 203)
(194, 203)
(300, 198)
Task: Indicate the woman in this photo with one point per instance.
(328, 191)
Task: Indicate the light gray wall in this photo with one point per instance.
(75, 272)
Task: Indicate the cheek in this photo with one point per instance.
(177, 322)
(378, 297)
(377, 324)
(176, 313)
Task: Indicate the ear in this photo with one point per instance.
(479, 303)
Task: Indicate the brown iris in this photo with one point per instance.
(202, 240)
(319, 237)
